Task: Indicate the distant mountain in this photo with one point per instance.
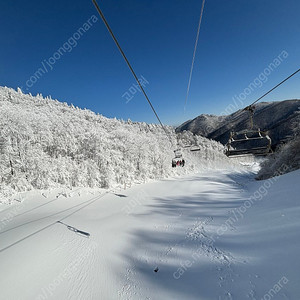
(278, 118)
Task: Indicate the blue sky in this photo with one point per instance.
(238, 41)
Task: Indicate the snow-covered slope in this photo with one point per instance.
(279, 118)
(218, 235)
(47, 144)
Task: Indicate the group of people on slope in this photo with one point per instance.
(178, 163)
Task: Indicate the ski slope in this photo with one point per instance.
(197, 232)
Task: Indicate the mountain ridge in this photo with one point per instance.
(276, 117)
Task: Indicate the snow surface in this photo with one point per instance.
(212, 235)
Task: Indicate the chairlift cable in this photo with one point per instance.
(264, 95)
(194, 54)
(264, 150)
(275, 87)
(130, 67)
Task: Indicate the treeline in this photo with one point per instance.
(45, 144)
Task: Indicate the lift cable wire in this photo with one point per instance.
(254, 150)
(194, 54)
(247, 108)
(275, 87)
(130, 67)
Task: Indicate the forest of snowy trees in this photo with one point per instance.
(45, 143)
(286, 159)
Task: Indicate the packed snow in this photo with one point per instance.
(211, 235)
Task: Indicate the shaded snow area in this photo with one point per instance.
(48, 144)
(213, 235)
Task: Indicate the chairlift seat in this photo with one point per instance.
(259, 145)
(178, 153)
(260, 151)
(195, 148)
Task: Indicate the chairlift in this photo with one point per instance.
(178, 153)
(187, 146)
(192, 147)
(195, 148)
(249, 141)
(254, 142)
(178, 159)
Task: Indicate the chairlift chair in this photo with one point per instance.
(195, 148)
(178, 157)
(249, 141)
(253, 142)
(187, 146)
(178, 153)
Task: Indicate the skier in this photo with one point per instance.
(182, 163)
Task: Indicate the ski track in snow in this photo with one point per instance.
(224, 261)
(80, 280)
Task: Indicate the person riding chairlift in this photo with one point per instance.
(178, 163)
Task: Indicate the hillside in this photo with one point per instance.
(278, 118)
(47, 144)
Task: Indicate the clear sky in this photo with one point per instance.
(238, 41)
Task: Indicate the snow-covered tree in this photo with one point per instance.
(45, 143)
